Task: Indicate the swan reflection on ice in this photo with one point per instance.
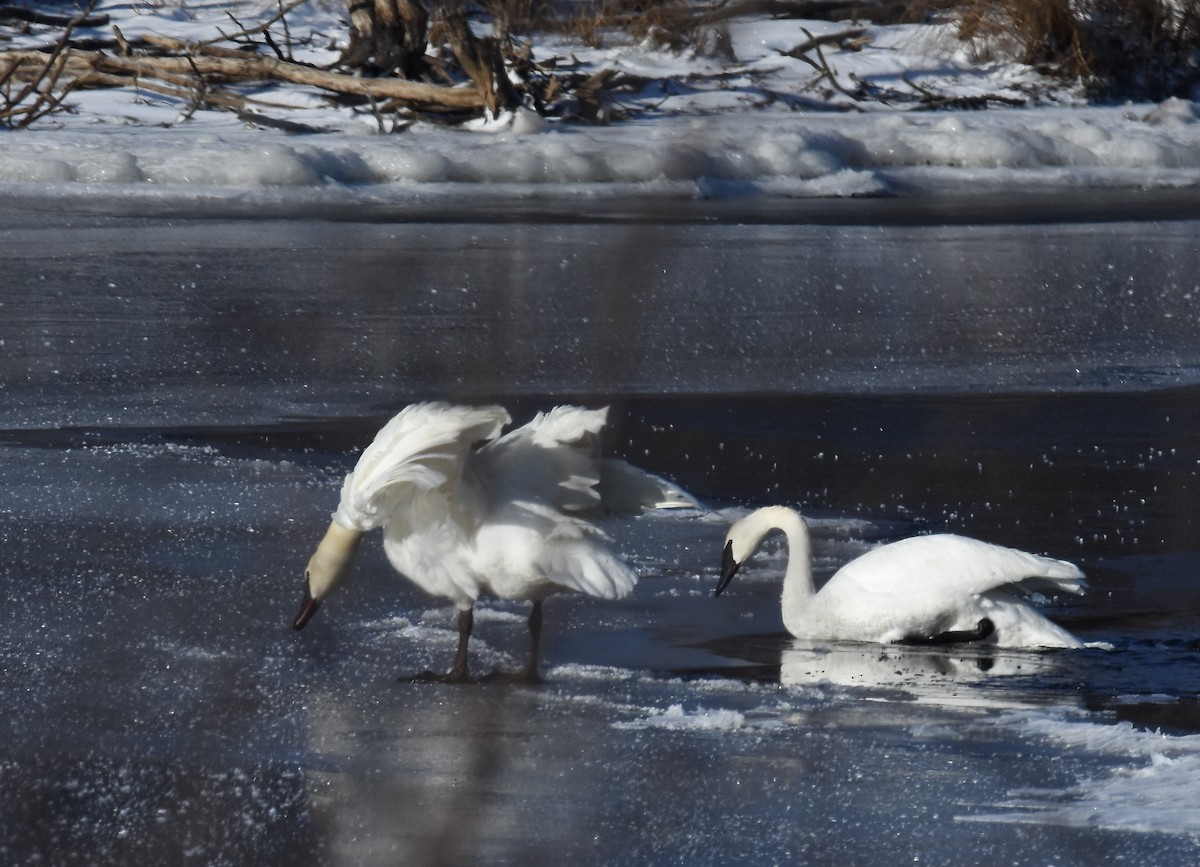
(946, 676)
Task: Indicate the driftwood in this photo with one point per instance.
(853, 39)
(98, 69)
(483, 63)
(820, 64)
(917, 97)
(205, 73)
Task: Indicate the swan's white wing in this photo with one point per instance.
(424, 446)
(553, 459)
(932, 584)
(947, 564)
(429, 540)
(587, 565)
(527, 550)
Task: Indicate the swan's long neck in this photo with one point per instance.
(798, 590)
(798, 586)
(326, 569)
(331, 561)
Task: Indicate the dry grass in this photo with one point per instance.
(673, 24)
(1119, 49)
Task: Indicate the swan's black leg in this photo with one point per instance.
(530, 673)
(983, 629)
(535, 642)
(457, 674)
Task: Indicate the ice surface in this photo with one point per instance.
(168, 570)
(1151, 789)
(128, 321)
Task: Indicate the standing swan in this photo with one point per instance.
(507, 517)
(927, 589)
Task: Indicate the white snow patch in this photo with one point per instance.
(678, 719)
(1154, 791)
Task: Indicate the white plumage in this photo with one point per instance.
(509, 517)
(937, 589)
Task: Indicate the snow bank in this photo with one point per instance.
(774, 154)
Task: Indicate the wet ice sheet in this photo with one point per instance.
(159, 705)
(127, 322)
(1151, 789)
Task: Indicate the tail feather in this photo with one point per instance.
(592, 569)
(626, 488)
(554, 458)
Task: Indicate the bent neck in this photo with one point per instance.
(331, 561)
(797, 579)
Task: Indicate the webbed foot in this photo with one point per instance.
(527, 676)
(982, 630)
(452, 676)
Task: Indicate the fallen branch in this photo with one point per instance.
(821, 65)
(83, 65)
(247, 32)
(854, 38)
(931, 101)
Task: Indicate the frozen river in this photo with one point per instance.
(182, 393)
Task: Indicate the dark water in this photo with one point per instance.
(182, 396)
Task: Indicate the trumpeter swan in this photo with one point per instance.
(510, 517)
(936, 589)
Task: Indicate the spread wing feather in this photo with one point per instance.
(555, 459)
(426, 446)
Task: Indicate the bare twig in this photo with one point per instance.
(247, 32)
(39, 91)
(822, 65)
(842, 38)
(199, 94)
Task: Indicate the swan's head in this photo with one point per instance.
(327, 568)
(741, 543)
(729, 566)
(746, 536)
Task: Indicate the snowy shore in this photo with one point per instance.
(702, 127)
